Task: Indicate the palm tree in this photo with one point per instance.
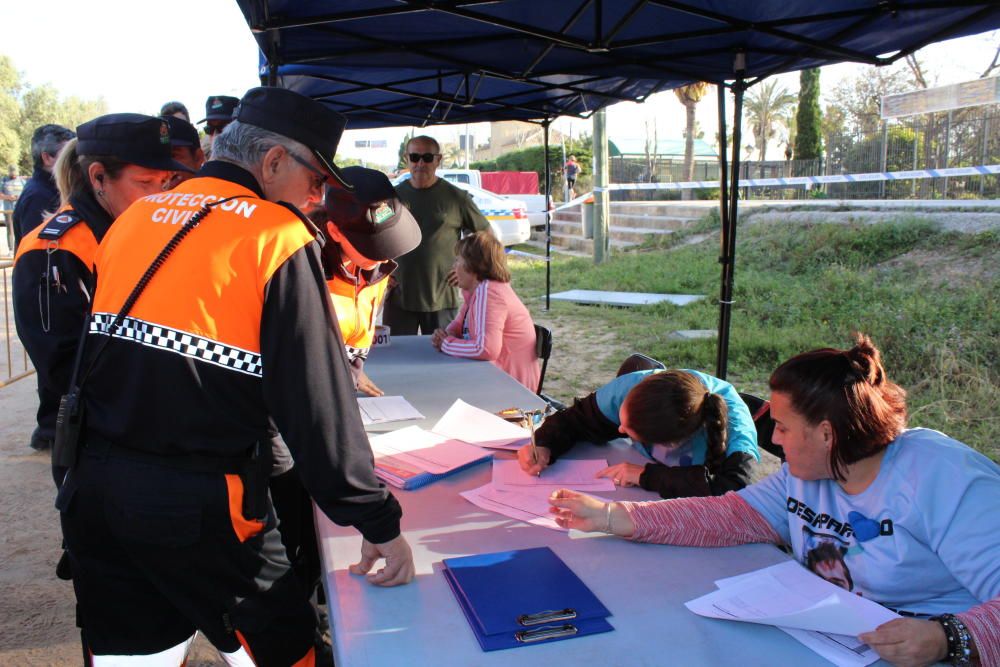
(454, 156)
(766, 107)
(689, 96)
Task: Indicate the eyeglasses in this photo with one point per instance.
(214, 129)
(316, 172)
(426, 157)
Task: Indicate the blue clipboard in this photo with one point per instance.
(523, 597)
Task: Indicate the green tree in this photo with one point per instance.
(403, 162)
(10, 112)
(808, 120)
(24, 108)
(689, 96)
(767, 107)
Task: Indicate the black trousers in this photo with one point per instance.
(158, 552)
(410, 322)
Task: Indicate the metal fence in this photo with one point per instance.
(14, 363)
(961, 138)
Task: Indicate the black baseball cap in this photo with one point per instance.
(371, 216)
(182, 133)
(130, 137)
(297, 117)
(220, 107)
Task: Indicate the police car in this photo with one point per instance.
(508, 217)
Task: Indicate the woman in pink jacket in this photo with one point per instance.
(492, 324)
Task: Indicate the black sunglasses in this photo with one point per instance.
(214, 129)
(426, 157)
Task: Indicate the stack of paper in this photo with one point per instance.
(518, 495)
(821, 615)
(412, 457)
(382, 409)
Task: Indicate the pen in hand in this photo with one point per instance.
(534, 447)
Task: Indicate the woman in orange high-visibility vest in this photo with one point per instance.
(114, 160)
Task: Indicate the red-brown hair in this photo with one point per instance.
(849, 389)
(672, 405)
(484, 256)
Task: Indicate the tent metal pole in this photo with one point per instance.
(548, 218)
(723, 210)
(728, 257)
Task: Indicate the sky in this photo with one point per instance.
(138, 55)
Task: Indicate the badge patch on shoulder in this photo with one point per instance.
(382, 213)
(59, 225)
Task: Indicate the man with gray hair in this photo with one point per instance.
(166, 515)
(40, 196)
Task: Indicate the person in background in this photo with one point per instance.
(185, 147)
(114, 160)
(175, 109)
(425, 298)
(11, 187)
(912, 508)
(694, 429)
(572, 168)
(218, 113)
(167, 518)
(40, 196)
(492, 324)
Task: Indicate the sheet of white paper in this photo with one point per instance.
(788, 595)
(531, 506)
(425, 450)
(478, 427)
(563, 474)
(381, 409)
(841, 650)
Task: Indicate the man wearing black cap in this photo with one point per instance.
(168, 522)
(185, 147)
(218, 113)
(53, 276)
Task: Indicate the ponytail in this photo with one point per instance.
(68, 173)
(715, 417)
(671, 406)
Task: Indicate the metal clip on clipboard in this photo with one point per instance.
(548, 632)
(543, 617)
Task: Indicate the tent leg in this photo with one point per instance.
(728, 241)
(548, 219)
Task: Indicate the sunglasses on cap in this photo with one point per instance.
(426, 157)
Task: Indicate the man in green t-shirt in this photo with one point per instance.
(425, 297)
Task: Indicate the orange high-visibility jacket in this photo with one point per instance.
(234, 330)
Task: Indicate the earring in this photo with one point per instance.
(100, 193)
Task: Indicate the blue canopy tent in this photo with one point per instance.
(419, 62)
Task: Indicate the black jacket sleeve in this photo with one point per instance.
(581, 422)
(29, 212)
(687, 481)
(309, 392)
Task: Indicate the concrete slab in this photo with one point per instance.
(692, 334)
(626, 299)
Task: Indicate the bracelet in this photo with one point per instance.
(607, 515)
(959, 639)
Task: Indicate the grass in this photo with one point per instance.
(800, 287)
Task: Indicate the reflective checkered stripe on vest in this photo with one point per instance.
(206, 300)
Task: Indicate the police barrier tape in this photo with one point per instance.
(792, 181)
(984, 170)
